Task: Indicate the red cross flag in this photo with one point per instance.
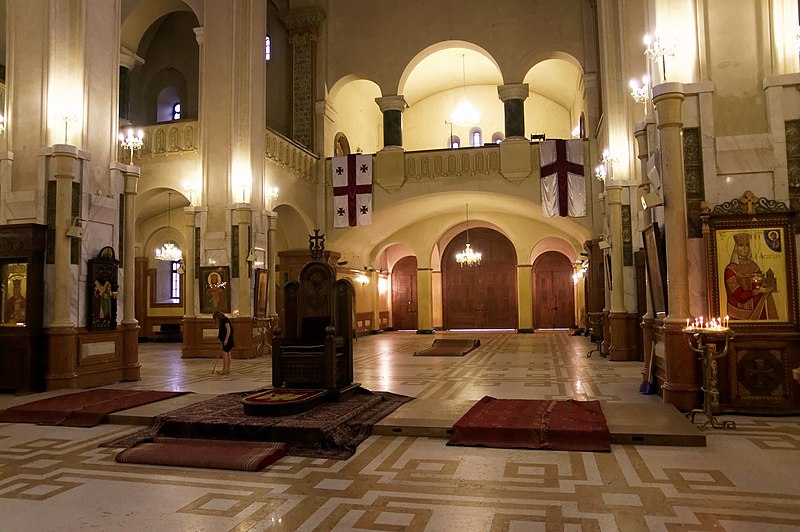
(352, 190)
(563, 180)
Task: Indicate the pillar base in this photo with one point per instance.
(131, 368)
(623, 346)
(62, 356)
(526, 331)
(425, 331)
(681, 386)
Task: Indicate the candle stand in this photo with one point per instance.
(704, 342)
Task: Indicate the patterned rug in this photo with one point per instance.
(81, 409)
(449, 347)
(533, 424)
(331, 430)
(211, 454)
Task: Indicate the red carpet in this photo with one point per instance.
(533, 424)
(212, 454)
(449, 347)
(81, 409)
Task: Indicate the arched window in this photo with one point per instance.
(497, 137)
(176, 111)
(267, 48)
(175, 281)
(454, 141)
(169, 99)
(476, 137)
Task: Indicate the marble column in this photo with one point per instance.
(681, 386)
(643, 153)
(131, 369)
(65, 161)
(242, 214)
(621, 326)
(303, 26)
(272, 259)
(525, 298)
(189, 271)
(62, 352)
(513, 97)
(392, 108)
(424, 300)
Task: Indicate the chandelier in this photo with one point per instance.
(464, 115)
(468, 257)
(168, 252)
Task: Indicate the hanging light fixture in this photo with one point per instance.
(168, 252)
(468, 257)
(464, 115)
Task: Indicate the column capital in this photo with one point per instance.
(200, 34)
(243, 212)
(303, 20)
(128, 59)
(189, 216)
(391, 103)
(513, 91)
(131, 182)
(668, 99)
(614, 193)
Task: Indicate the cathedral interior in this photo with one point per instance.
(617, 178)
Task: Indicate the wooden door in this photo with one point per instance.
(553, 293)
(404, 294)
(485, 296)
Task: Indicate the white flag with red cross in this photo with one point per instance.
(563, 180)
(352, 190)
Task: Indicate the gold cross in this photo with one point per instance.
(749, 199)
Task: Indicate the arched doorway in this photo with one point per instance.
(404, 294)
(553, 295)
(485, 296)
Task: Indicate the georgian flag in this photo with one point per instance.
(352, 190)
(563, 180)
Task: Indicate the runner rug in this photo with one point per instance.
(533, 424)
(449, 347)
(331, 430)
(212, 454)
(81, 409)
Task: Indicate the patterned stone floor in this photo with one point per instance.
(57, 478)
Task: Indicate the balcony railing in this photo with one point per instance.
(290, 155)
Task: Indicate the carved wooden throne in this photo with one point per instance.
(316, 349)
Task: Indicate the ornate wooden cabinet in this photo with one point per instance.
(22, 250)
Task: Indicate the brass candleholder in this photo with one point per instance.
(704, 342)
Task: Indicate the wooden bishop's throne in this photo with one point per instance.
(316, 348)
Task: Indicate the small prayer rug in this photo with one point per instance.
(533, 424)
(211, 454)
(449, 347)
(82, 409)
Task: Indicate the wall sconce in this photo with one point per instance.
(66, 116)
(604, 244)
(181, 267)
(189, 187)
(362, 279)
(600, 172)
(606, 167)
(271, 194)
(2, 124)
(650, 200)
(132, 142)
(656, 49)
(251, 257)
(641, 94)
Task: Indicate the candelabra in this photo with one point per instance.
(656, 49)
(606, 166)
(704, 339)
(271, 194)
(600, 172)
(641, 94)
(132, 142)
(66, 117)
